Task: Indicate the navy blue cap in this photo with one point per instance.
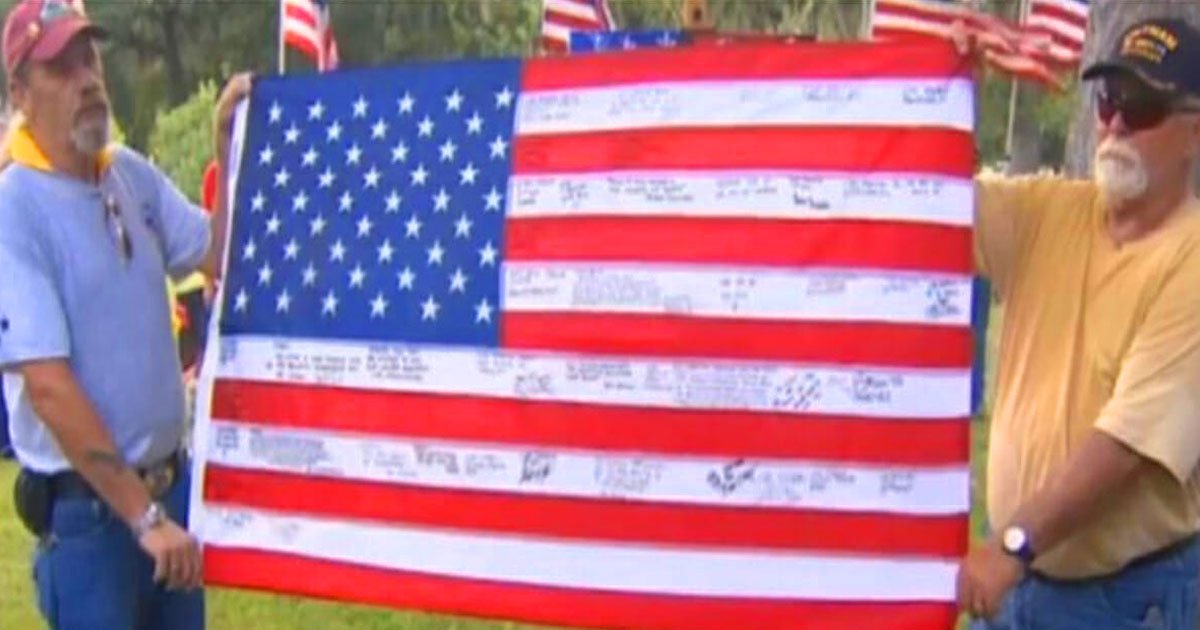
(1163, 53)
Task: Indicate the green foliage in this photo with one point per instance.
(1053, 113)
(182, 140)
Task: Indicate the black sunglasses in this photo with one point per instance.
(1139, 111)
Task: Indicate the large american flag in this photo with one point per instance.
(562, 17)
(669, 339)
(306, 26)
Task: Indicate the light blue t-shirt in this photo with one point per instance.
(66, 291)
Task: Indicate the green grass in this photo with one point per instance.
(236, 610)
(227, 609)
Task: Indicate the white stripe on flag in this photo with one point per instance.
(901, 103)
(556, 32)
(1070, 32)
(572, 564)
(757, 483)
(691, 383)
(579, 10)
(304, 31)
(746, 194)
(1071, 6)
(765, 293)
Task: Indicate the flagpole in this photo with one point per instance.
(867, 19)
(282, 45)
(1014, 93)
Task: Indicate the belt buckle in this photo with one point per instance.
(159, 479)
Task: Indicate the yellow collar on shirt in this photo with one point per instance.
(26, 152)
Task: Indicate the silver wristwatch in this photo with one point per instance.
(151, 518)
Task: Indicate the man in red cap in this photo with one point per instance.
(89, 233)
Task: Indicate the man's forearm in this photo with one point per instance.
(211, 266)
(87, 445)
(1098, 468)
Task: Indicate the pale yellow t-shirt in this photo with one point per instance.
(1094, 335)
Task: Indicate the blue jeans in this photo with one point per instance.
(92, 575)
(1160, 594)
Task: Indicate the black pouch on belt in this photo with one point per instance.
(33, 500)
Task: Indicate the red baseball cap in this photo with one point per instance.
(38, 30)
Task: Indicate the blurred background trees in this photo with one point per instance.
(165, 58)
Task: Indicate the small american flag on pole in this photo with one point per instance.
(561, 17)
(1006, 46)
(666, 339)
(1065, 22)
(306, 26)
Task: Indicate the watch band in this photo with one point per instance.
(1016, 543)
(151, 518)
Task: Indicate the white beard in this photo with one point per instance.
(91, 135)
(1120, 171)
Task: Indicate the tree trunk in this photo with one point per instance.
(1109, 18)
(1025, 152)
(177, 81)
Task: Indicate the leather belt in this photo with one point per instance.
(158, 479)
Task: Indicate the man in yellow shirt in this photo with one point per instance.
(1093, 490)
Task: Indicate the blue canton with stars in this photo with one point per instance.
(371, 205)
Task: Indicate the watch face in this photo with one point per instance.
(1014, 539)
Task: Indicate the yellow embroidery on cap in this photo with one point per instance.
(1149, 42)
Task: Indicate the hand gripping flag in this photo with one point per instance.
(668, 338)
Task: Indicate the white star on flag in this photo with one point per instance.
(458, 281)
(357, 277)
(386, 251)
(504, 98)
(483, 312)
(487, 255)
(406, 278)
(406, 103)
(378, 305)
(316, 111)
(412, 228)
(429, 309)
(329, 304)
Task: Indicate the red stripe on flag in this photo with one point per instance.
(589, 519)
(928, 151)
(753, 242)
(850, 343)
(746, 62)
(300, 14)
(303, 44)
(283, 573)
(554, 45)
(691, 432)
(572, 22)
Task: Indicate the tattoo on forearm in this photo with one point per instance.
(110, 460)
